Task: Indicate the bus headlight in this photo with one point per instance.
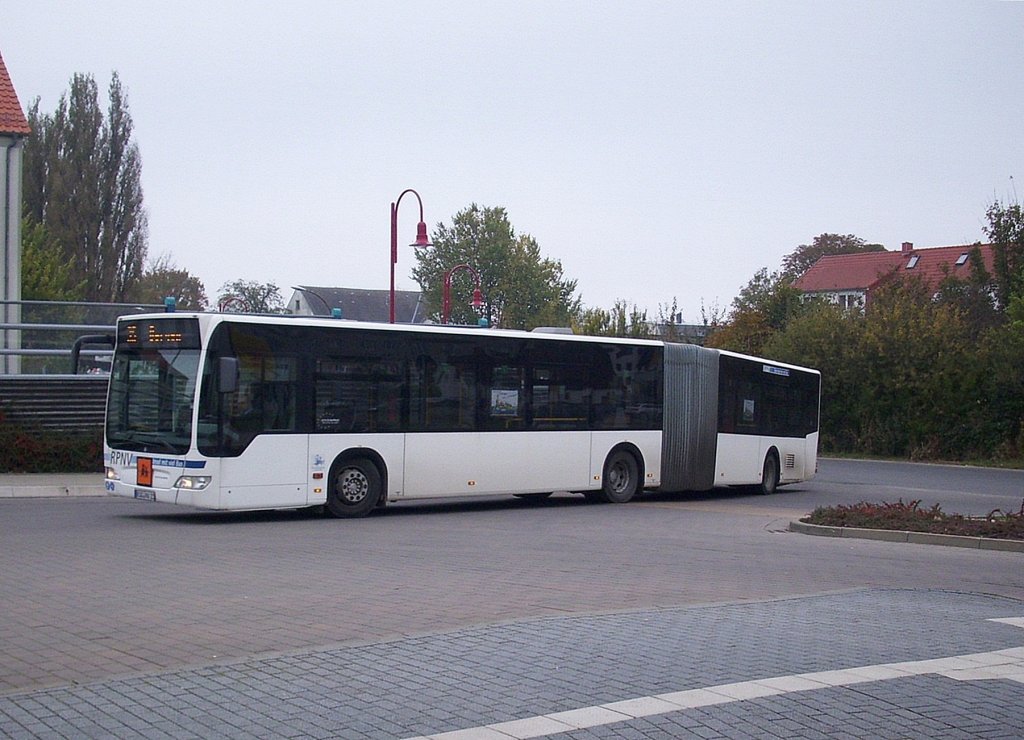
(193, 482)
(111, 474)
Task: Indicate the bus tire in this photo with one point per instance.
(769, 474)
(355, 488)
(621, 479)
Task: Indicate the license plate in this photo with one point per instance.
(145, 495)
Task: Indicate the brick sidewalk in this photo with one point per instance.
(466, 679)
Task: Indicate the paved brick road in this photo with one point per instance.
(119, 618)
(477, 676)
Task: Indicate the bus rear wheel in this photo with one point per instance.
(355, 488)
(621, 479)
(769, 475)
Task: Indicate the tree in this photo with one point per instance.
(163, 279)
(764, 306)
(249, 296)
(746, 332)
(521, 289)
(800, 260)
(45, 276)
(770, 295)
(972, 295)
(1006, 232)
(620, 321)
(827, 337)
(82, 182)
(905, 378)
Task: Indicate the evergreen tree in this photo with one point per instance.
(45, 276)
(1006, 232)
(82, 182)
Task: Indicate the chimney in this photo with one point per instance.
(908, 246)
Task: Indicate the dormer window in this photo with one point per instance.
(962, 259)
(913, 261)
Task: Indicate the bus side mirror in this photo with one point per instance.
(227, 374)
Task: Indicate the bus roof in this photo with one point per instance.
(210, 319)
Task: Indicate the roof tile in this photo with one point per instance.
(863, 272)
(12, 119)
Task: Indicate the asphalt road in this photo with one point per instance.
(957, 489)
(126, 618)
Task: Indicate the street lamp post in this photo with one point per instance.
(335, 310)
(446, 294)
(421, 241)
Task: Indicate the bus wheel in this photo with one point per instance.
(769, 475)
(621, 479)
(355, 488)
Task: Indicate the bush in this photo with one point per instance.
(36, 451)
(911, 517)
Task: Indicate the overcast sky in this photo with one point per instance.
(659, 150)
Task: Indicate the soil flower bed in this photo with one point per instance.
(911, 517)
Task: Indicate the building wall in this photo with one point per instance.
(10, 240)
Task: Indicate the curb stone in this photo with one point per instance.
(918, 538)
(51, 485)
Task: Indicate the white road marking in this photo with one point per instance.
(999, 664)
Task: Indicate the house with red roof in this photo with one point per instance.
(13, 130)
(850, 279)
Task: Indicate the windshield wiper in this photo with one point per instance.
(147, 441)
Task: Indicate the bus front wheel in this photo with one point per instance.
(355, 488)
(769, 475)
(621, 478)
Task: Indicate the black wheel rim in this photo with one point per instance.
(619, 476)
(353, 486)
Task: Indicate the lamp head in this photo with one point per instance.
(422, 240)
(478, 299)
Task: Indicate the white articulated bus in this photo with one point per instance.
(233, 411)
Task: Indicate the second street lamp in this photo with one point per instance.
(446, 293)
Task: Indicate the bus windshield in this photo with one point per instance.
(150, 404)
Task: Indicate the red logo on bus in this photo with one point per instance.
(144, 471)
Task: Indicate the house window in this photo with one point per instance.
(850, 301)
(962, 259)
(913, 262)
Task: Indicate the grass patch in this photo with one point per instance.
(910, 517)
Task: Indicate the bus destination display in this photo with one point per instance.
(159, 333)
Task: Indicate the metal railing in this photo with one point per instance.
(40, 337)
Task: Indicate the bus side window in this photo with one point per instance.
(560, 397)
(506, 398)
(608, 399)
(726, 404)
(746, 407)
(442, 395)
(278, 407)
(357, 394)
